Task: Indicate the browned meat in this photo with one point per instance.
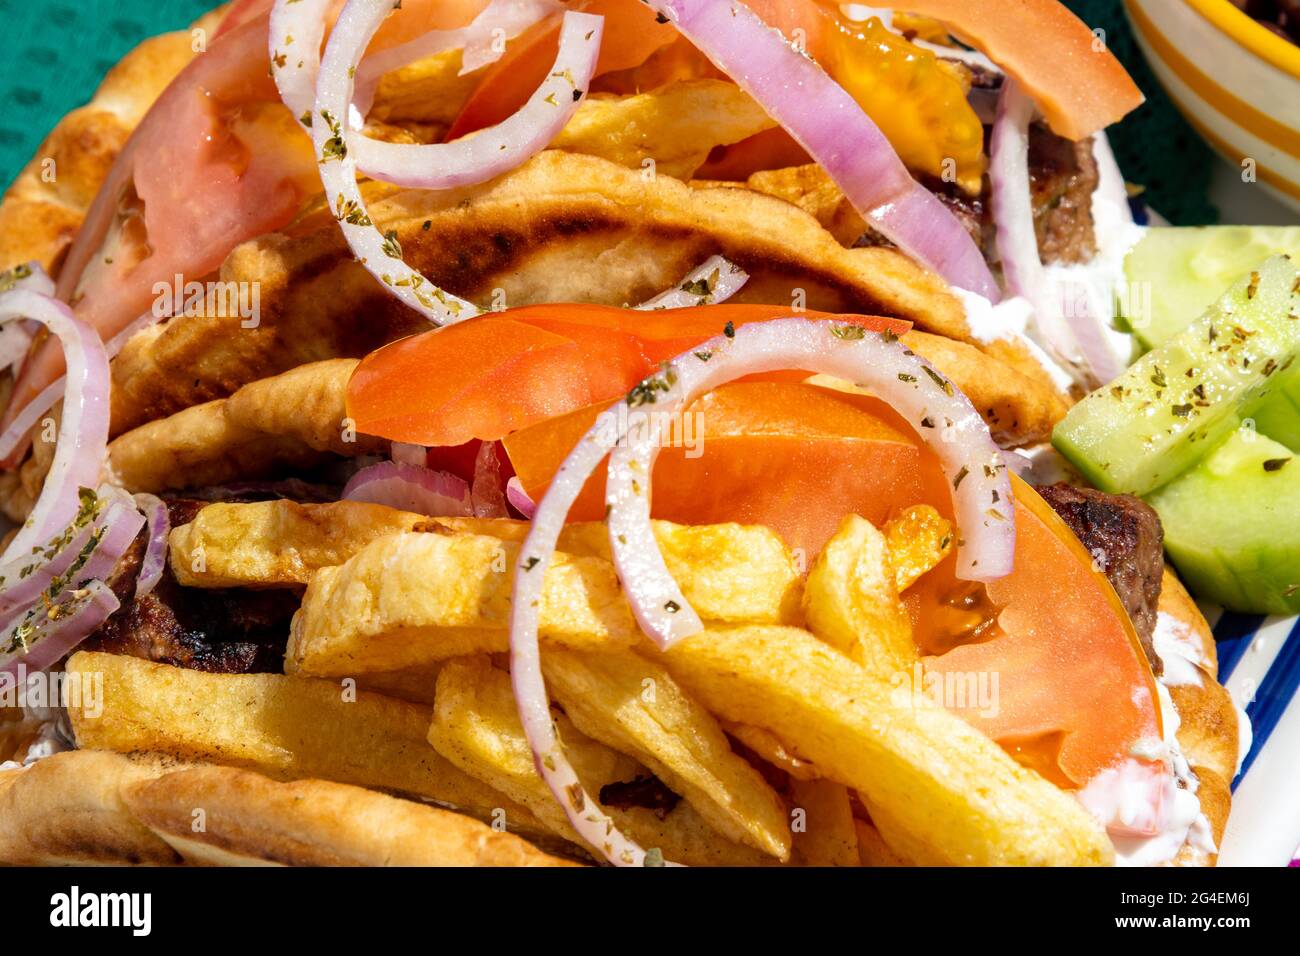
(231, 631)
(648, 792)
(1124, 536)
(1063, 177)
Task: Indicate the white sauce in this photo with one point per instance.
(1122, 796)
(1180, 651)
(1010, 319)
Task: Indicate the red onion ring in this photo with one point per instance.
(1013, 214)
(830, 125)
(46, 640)
(712, 281)
(33, 638)
(24, 578)
(488, 499)
(411, 488)
(473, 159)
(155, 555)
(297, 30)
(518, 498)
(16, 337)
(83, 435)
(938, 412)
(500, 18)
(15, 439)
(591, 822)
(968, 454)
(489, 152)
(90, 547)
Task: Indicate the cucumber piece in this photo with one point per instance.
(1279, 416)
(1178, 401)
(1175, 274)
(1232, 525)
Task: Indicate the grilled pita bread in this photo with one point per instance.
(97, 807)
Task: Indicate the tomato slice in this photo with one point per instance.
(1074, 691)
(787, 455)
(1058, 617)
(500, 372)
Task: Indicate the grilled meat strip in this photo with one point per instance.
(1062, 178)
(1125, 537)
(228, 631)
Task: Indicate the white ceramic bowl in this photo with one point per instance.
(1235, 81)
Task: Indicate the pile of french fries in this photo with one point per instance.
(774, 737)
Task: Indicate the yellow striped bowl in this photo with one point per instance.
(1236, 82)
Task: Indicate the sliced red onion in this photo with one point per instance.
(298, 27)
(471, 160)
(1013, 215)
(16, 337)
(83, 434)
(410, 488)
(500, 20)
(631, 433)
(488, 499)
(1111, 186)
(955, 431)
(15, 341)
(122, 522)
(381, 255)
(155, 554)
(1088, 292)
(518, 498)
(90, 547)
(497, 149)
(295, 35)
(713, 281)
(588, 818)
(42, 637)
(830, 125)
(23, 579)
(15, 439)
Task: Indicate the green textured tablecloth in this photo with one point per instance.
(55, 53)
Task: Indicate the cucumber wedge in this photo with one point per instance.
(1175, 274)
(1232, 525)
(1180, 400)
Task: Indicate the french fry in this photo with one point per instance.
(953, 795)
(872, 849)
(284, 727)
(918, 539)
(823, 825)
(676, 125)
(413, 598)
(415, 684)
(633, 705)
(476, 727)
(276, 543)
(851, 602)
(769, 747)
